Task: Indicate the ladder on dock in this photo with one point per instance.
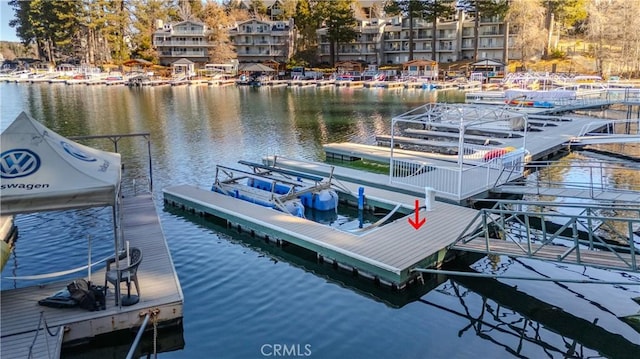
(600, 236)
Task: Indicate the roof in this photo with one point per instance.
(44, 171)
(419, 63)
(256, 68)
(142, 62)
(183, 61)
(487, 62)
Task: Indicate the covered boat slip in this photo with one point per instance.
(386, 252)
(159, 286)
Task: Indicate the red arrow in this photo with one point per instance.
(418, 222)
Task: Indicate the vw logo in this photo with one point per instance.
(18, 162)
(76, 152)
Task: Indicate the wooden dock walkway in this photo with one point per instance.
(585, 193)
(600, 259)
(386, 253)
(159, 286)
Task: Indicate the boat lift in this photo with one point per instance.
(283, 185)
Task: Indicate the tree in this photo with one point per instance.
(51, 24)
(21, 22)
(340, 22)
(527, 19)
(409, 9)
(434, 10)
(307, 21)
(608, 35)
(258, 9)
(568, 14)
(430, 10)
(116, 29)
(482, 8)
(218, 22)
(144, 16)
(287, 10)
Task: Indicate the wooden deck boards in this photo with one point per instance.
(158, 280)
(392, 248)
(601, 195)
(603, 259)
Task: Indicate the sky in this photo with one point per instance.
(6, 14)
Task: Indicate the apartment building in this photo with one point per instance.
(386, 41)
(366, 48)
(182, 40)
(260, 40)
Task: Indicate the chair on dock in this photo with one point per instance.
(127, 274)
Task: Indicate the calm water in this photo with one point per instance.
(242, 297)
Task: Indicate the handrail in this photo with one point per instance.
(35, 337)
(115, 138)
(136, 341)
(587, 128)
(506, 221)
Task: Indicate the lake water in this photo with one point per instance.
(246, 299)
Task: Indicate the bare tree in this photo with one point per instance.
(613, 44)
(218, 22)
(526, 18)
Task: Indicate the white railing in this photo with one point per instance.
(609, 127)
(459, 182)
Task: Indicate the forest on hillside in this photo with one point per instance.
(102, 32)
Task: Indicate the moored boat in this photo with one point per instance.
(288, 191)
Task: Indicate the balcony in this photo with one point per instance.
(177, 32)
(179, 43)
(490, 33)
(494, 45)
(184, 53)
(445, 48)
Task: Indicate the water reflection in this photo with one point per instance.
(241, 292)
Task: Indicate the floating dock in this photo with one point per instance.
(23, 325)
(387, 254)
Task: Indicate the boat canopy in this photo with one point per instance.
(43, 171)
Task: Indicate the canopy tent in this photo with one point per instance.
(41, 170)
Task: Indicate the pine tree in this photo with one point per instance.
(409, 9)
(144, 16)
(434, 10)
(482, 8)
(340, 22)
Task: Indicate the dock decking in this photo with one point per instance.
(387, 253)
(601, 259)
(586, 193)
(159, 286)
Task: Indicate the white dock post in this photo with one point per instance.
(429, 198)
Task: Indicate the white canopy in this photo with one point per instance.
(41, 171)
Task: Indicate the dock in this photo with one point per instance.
(22, 317)
(387, 254)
